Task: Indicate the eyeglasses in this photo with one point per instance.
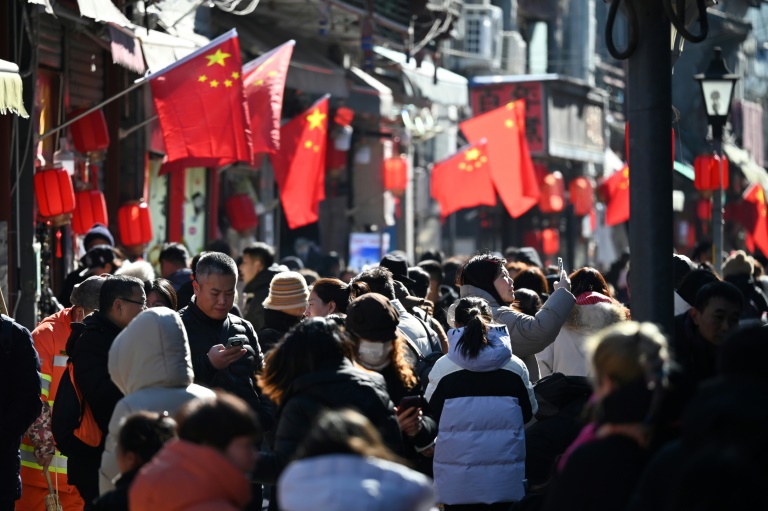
(143, 304)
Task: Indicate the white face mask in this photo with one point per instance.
(375, 355)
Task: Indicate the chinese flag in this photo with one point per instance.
(616, 192)
(757, 223)
(463, 180)
(511, 166)
(200, 104)
(264, 82)
(300, 164)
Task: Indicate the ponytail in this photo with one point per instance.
(473, 314)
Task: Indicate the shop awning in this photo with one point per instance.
(103, 10)
(161, 49)
(685, 170)
(450, 89)
(11, 99)
(754, 173)
(368, 95)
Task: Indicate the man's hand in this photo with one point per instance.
(409, 420)
(564, 282)
(222, 357)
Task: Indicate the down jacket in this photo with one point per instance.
(150, 363)
(529, 334)
(568, 354)
(482, 405)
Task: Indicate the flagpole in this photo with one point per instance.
(138, 83)
(125, 133)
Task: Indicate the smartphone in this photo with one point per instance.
(236, 341)
(559, 266)
(410, 402)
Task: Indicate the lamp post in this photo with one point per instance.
(717, 86)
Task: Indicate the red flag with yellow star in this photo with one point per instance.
(757, 219)
(463, 180)
(615, 189)
(264, 83)
(201, 105)
(512, 169)
(300, 164)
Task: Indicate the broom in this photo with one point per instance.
(52, 502)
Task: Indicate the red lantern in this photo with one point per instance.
(91, 209)
(135, 224)
(552, 199)
(396, 174)
(241, 213)
(582, 198)
(550, 241)
(532, 239)
(704, 209)
(707, 169)
(90, 132)
(344, 116)
(54, 192)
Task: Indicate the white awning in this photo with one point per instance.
(450, 89)
(160, 49)
(11, 99)
(368, 95)
(742, 159)
(103, 10)
(45, 3)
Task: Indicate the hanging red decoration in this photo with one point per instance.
(91, 208)
(532, 239)
(582, 196)
(704, 209)
(90, 132)
(241, 213)
(54, 192)
(396, 174)
(344, 116)
(135, 224)
(552, 198)
(707, 168)
(550, 241)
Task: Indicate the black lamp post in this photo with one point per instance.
(717, 86)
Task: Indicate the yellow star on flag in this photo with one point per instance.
(228, 83)
(202, 78)
(472, 154)
(509, 123)
(217, 58)
(235, 74)
(315, 119)
(214, 83)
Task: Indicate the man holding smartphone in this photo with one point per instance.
(225, 350)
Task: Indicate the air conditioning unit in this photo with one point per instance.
(514, 53)
(478, 42)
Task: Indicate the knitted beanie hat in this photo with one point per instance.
(288, 290)
(739, 263)
(97, 232)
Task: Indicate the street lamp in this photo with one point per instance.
(717, 86)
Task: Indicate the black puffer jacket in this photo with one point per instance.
(276, 325)
(19, 403)
(88, 348)
(240, 377)
(342, 386)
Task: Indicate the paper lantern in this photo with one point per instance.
(135, 224)
(91, 208)
(704, 209)
(707, 168)
(90, 132)
(550, 241)
(532, 239)
(54, 192)
(344, 116)
(396, 174)
(582, 198)
(241, 213)
(552, 198)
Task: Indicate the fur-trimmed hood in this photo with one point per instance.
(587, 319)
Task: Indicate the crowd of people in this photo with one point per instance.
(483, 382)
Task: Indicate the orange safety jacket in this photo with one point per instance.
(50, 339)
